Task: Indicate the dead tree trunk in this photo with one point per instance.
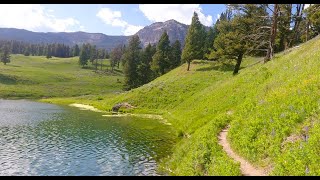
(273, 35)
(297, 20)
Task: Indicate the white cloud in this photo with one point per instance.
(34, 17)
(82, 28)
(131, 29)
(180, 12)
(113, 18)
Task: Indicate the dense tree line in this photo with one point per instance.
(90, 53)
(48, 50)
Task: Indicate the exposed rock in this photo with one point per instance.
(116, 107)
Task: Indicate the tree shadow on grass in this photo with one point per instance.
(218, 67)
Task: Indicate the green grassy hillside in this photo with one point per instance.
(272, 108)
(37, 77)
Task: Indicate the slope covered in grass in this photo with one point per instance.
(272, 108)
(36, 77)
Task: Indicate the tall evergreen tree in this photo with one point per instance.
(5, 55)
(132, 59)
(313, 15)
(106, 55)
(84, 56)
(76, 50)
(144, 68)
(176, 54)
(27, 51)
(209, 39)
(193, 48)
(115, 56)
(234, 39)
(93, 53)
(161, 59)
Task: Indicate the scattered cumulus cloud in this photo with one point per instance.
(113, 18)
(180, 12)
(34, 17)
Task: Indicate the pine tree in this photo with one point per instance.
(193, 48)
(132, 60)
(209, 39)
(27, 51)
(84, 56)
(106, 55)
(313, 15)
(76, 50)
(5, 55)
(48, 55)
(176, 54)
(284, 26)
(115, 56)
(144, 68)
(93, 53)
(231, 43)
(161, 59)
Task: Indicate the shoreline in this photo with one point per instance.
(92, 108)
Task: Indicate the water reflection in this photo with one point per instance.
(45, 139)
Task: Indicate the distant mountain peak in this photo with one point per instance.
(152, 33)
(149, 34)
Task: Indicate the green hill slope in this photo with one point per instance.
(272, 108)
(37, 77)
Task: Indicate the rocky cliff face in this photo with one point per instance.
(152, 33)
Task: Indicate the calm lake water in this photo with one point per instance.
(46, 139)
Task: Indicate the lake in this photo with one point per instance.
(46, 139)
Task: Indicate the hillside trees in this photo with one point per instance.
(230, 43)
(241, 34)
(313, 16)
(193, 48)
(143, 65)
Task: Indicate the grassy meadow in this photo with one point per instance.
(36, 77)
(272, 108)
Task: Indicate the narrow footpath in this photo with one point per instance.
(246, 168)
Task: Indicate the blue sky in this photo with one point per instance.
(110, 19)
